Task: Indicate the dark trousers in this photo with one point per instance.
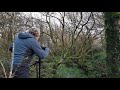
(21, 72)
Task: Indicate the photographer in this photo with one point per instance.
(25, 46)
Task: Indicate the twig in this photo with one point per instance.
(52, 56)
(3, 68)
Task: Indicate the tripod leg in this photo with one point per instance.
(37, 70)
(39, 66)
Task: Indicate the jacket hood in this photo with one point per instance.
(25, 35)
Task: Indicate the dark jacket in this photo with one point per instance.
(25, 47)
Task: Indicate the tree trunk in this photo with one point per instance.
(112, 43)
(12, 54)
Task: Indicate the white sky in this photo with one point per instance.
(39, 16)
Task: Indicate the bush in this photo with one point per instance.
(90, 67)
(97, 66)
(65, 72)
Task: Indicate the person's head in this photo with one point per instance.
(35, 32)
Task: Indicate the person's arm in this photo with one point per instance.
(38, 49)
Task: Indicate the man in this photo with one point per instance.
(25, 46)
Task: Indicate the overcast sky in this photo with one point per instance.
(38, 15)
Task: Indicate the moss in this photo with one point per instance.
(112, 42)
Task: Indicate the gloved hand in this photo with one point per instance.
(43, 48)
